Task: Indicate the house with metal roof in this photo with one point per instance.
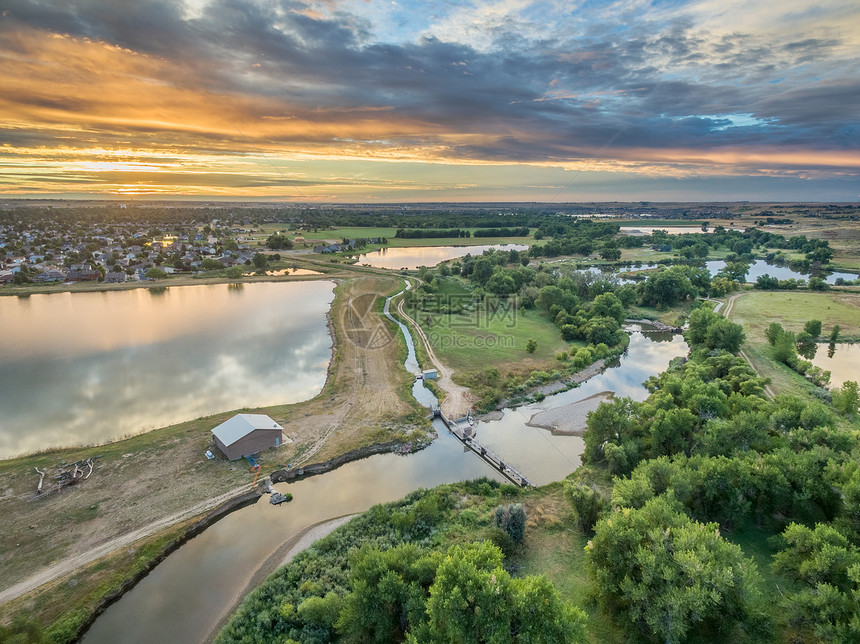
(247, 434)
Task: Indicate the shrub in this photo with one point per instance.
(512, 519)
(587, 504)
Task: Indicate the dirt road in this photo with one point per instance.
(70, 564)
(457, 402)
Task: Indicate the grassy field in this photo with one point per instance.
(842, 235)
(755, 310)
(480, 338)
(337, 234)
(147, 478)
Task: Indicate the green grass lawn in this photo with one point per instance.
(355, 232)
(479, 338)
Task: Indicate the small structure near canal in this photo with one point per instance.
(247, 434)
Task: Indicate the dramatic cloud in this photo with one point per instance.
(361, 100)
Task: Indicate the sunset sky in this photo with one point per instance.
(395, 100)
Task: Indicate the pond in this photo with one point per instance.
(84, 368)
(760, 267)
(638, 231)
(415, 256)
(187, 595)
(842, 360)
(292, 271)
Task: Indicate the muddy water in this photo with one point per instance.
(196, 586)
(842, 361)
(544, 457)
(82, 368)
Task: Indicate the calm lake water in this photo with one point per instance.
(843, 363)
(760, 267)
(413, 257)
(82, 368)
(188, 593)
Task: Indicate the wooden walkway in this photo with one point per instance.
(465, 437)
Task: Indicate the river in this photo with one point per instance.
(84, 368)
(195, 587)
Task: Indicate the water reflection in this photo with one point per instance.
(194, 587)
(544, 457)
(413, 257)
(760, 267)
(185, 596)
(841, 360)
(92, 367)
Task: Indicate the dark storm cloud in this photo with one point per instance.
(666, 85)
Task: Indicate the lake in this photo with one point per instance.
(638, 231)
(84, 368)
(415, 256)
(760, 267)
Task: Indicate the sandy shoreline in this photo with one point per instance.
(569, 419)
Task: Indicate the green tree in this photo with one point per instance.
(209, 264)
(813, 328)
(611, 423)
(279, 242)
(260, 261)
(483, 270)
(156, 274)
(549, 296)
(608, 305)
(531, 345)
(611, 254)
(834, 334)
(736, 271)
(847, 398)
(700, 321)
(828, 565)
(388, 593)
(785, 348)
(671, 576)
(774, 330)
(587, 504)
(818, 284)
(725, 335)
(668, 287)
(473, 600)
(501, 284)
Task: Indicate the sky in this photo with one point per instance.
(402, 101)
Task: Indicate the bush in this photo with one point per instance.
(512, 519)
(587, 504)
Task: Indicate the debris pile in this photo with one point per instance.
(70, 474)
